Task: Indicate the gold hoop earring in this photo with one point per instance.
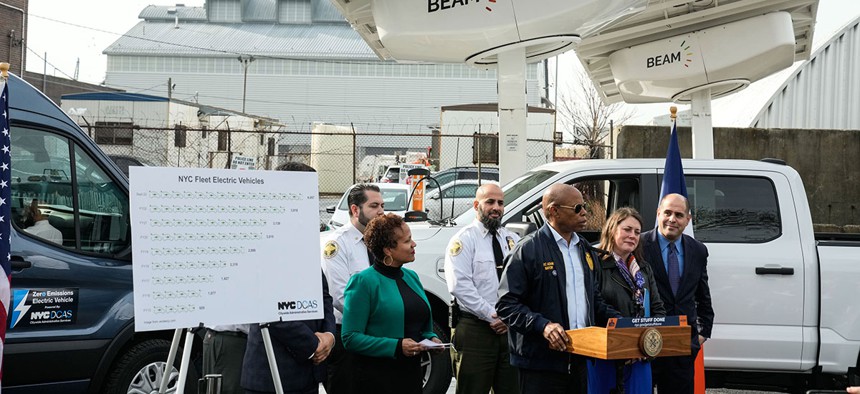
(385, 262)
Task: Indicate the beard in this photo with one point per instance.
(362, 219)
(490, 223)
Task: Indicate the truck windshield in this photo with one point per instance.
(515, 189)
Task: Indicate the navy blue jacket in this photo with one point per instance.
(694, 296)
(293, 342)
(532, 294)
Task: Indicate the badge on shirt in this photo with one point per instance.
(589, 260)
(511, 243)
(549, 266)
(456, 248)
(330, 249)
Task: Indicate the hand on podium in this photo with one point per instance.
(557, 337)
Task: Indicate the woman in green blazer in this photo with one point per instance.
(386, 313)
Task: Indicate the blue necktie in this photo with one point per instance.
(674, 269)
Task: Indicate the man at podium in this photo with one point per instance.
(550, 286)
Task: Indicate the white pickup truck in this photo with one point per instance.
(787, 300)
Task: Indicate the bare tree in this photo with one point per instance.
(586, 118)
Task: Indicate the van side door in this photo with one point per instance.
(71, 291)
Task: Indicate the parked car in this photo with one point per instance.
(392, 175)
(452, 174)
(124, 162)
(785, 297)
(394, 195)
(456, 198)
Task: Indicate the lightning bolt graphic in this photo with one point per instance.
(21, 308)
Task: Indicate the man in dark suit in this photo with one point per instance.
(680, 264)
(549, 286)
(300, 347)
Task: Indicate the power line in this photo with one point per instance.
(50, 64)
(222, 51)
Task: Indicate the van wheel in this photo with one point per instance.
(437, 367)
(141, 368)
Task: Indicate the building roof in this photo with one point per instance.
(818, 93)
(139, 97)
(114, 96)
(327, 37)
(162, 13)
(491, 107)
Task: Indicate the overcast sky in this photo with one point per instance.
(68, 31)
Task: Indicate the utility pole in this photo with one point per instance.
(246, 61)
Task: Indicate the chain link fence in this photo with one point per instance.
(340, 155)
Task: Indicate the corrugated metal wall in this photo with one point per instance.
(824, 93)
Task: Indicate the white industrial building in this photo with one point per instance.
(305, 64)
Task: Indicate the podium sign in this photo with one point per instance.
(627, 338)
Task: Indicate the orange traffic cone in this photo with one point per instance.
(699, 386)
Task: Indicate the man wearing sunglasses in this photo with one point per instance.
(549, 286)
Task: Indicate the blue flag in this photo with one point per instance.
(673, 171)
(673, 174)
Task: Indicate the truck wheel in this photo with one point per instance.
(141, 368)
(437, 367)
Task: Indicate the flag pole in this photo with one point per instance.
(5, 227)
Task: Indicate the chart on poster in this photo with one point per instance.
(217, 246)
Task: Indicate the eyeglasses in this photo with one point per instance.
(576, 208)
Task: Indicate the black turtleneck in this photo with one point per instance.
(415, 312)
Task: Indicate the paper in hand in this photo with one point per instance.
(433, 345)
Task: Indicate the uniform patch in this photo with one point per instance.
(456, 247)
(330, 249)
(548, 266)
(511, 242)
(590, 261)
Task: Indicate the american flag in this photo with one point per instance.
(5, 215)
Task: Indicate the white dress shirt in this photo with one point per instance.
(574, 283)
(45, 230)
(350, 257)
(470, 268)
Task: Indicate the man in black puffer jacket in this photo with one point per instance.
(550, 286)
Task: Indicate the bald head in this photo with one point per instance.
(673, 215)
(559, 207)
(490, 205)
(559, 193)
(489, 189)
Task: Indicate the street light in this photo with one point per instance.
(245, 60)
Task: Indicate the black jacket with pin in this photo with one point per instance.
(532, 294)
(618, 293)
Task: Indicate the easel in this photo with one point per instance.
(186, 358)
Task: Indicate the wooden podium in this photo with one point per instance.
(628, 338)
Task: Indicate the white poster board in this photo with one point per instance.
(218, 246)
